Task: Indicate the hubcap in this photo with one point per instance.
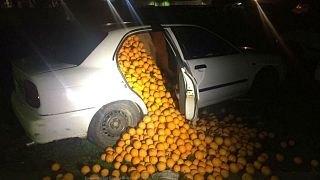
(114, 123)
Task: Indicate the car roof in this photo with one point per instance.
(131, 26)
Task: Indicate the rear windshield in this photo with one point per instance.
(64, 42)
(67, 33)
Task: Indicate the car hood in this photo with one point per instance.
(36, 66)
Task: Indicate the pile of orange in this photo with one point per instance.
(164, 139)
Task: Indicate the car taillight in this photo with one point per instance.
(31, 94)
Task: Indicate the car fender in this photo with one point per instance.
(257, 62)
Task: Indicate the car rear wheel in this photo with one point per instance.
(111, 121)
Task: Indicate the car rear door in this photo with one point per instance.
(220, 70)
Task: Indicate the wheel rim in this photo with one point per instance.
(114, 123)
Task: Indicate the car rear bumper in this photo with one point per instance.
(47, 128)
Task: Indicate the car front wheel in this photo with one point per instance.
(111, 121)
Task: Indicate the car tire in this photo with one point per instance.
(265, 85)
(111, 121)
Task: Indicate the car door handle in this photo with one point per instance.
(201, 66)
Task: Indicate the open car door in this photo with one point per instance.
(188, 95)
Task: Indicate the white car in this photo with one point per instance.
(55, 100)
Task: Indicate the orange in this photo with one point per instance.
(140, 167)
(167, 132)
(134, 175)
(170, 119)
(161, 166)
(162, 119)
(147, 119)
(85, 170)
(160, 131)
(182, 148)
(199, 155)
(188, 146)
(173, 146)
(146, 159)
(68, 176)
(162, 159)
(128, 148)
(142, 125)
(208, 140)
(152, 152)
(193, 136)
(150, 132)
(161, 153)
(109, 158)
(170, 163)
(121, 143)
(180, 142)
(118, 149)
(131, 169)
(151, 169)
(104, 172)
(139, 131)
(135, 160)
(162, 138)
(55, 167)
(250, 168)
(134, 152)
(137, 144)
(227, 142)
(176, 168)
(214, 145)
(126, 136)
(123, 168)
(128, 157)
(155, 137)
(144, 174)
(117, 165)
(154, 118)
(224, 173)
(96, 168)
(153, 160)
(171, 125)
(142, 153)
(160, 146)
(265, 170)
(196, 142)
(176, 132)
(185, 169)
(209, 169)
(202, 137)
(169, 140)
(234, 168)
(149, 141)
(175, 157)
(218, 140)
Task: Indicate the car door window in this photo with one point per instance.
(199, 43)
